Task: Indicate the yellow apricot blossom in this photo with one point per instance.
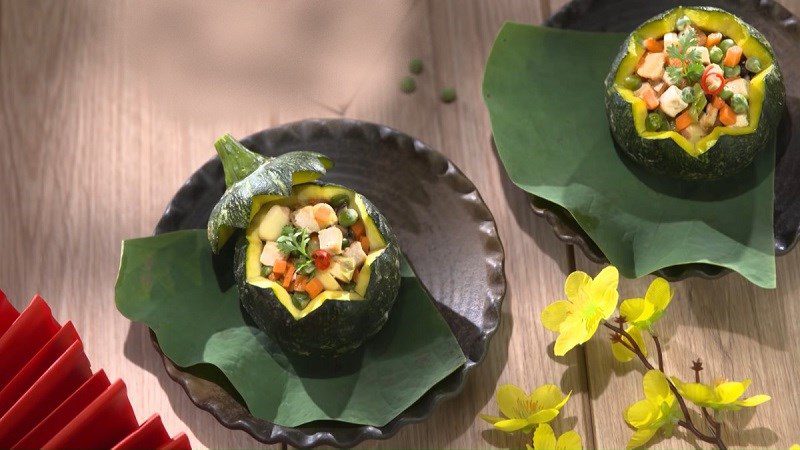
(522, 411)
(545, 439)
(658, 411)
(721, 396)
(643, 312)
(589, 302)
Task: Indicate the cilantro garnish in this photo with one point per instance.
(691, 67)
(294, 242)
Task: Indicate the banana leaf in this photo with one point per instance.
(544, 91)
(174, 285)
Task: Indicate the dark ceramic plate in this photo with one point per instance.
(782, 30)
(443, 226)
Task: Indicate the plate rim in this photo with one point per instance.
(306, 437)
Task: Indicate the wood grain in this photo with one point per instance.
(107, 107)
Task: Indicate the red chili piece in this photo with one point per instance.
(704, 81)
(322, 259)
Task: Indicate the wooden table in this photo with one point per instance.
(107, 107)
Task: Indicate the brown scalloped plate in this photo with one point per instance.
(781, 29)
(444, 229)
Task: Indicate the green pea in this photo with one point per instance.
(739, 103)
(345, 243)
(632, 82)
(347, 217)
(726, 93)
(731, 72)
(339, 200)
(300, 299)
(266, 270)
(654, 122)
(716, 54)
(753, 64)
(726, 44)
(687, 95)
(448, 95)
(408, 85)
(415, 66)
(682, 23)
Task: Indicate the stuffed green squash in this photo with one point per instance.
(695, 93)
(317, 267)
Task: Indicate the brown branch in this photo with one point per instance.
(659, 352)
(687, 423)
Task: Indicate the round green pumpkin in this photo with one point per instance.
(725, 150)
(332, 323)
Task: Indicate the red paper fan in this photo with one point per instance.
(49, 398)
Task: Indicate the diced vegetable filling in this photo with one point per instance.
(314, 247)
(693, 80)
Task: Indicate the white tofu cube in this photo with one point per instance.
(704, 55)
(325, 211)
(330, 239)
(356, 252)
(304, 218)
(669, 39)
(715, 68)
(739, 86)
(741, 121)
(273, 222)
(671, 102)
(270, 254)
(653, 66)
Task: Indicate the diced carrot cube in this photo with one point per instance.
(653, 45)
(314, 288)
(279, 267)
(727, 115)
(273, 276)
(649, 96)
(733, 56)
(682, 121)
(358, 229)
(364, 243)
(287, 277)
(675, 62)
(713, 39)
(718, 102)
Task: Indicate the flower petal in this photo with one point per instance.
(547, 396)
(569, 441)
(636, 310)
(754, 400)
(640, 438)
(544, 438)
(641, 413)
(492, 419)
(621, 353)
(571, 334)
(508, 397)
(729, 391)
(659, 294)
(575, 282)
(555, 313)
(697, 393)
(603, 290)
(656, 386)
(510, 425)
(545, 415)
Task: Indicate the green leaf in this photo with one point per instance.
(555, 143)
(170, 284)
